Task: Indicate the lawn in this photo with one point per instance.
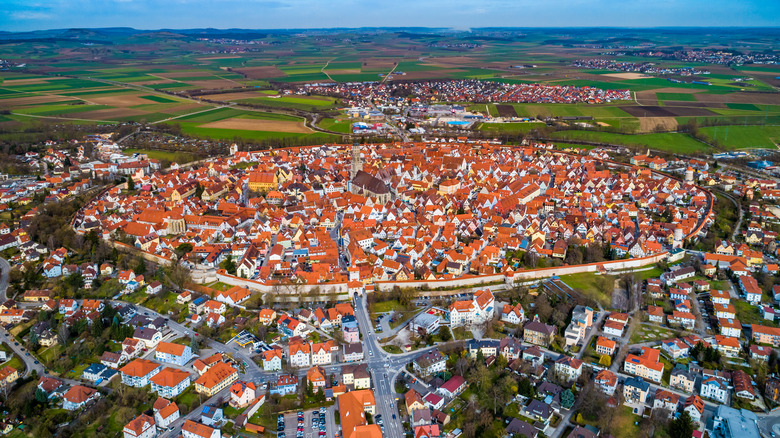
(623, 424)
(232, 412)
(76, 372)
(749, 314)
(220, 286)
(393, 349)
(189, 397)
(165, 303)
(587, 283)
(178, 157)
(336, 125)
(49, 354)
(649, 334)
(385, 306)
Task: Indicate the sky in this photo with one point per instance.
(23, 15)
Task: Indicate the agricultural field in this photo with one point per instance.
(229, 123)
(129, 82)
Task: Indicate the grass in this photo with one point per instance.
(178, 157)
(164, 303)
(680, 97)
(158, 99)
(623, 424)
(189, 397)
(740, 137)
(231, 134)
(743, 106)
(586, 282)
(336, 125)
(672, 142)
(749, 314)
(220, 286)
(393, 349)
(385, 306)
(76, 372)
(510, 127)
(650, 334)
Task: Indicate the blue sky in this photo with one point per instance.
(19, 15)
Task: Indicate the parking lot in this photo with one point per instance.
(295, 427)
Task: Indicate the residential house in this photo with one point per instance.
(78, 396)
(217, 378)
(170, 382)
(139, 372)
(176, 354)
(141, 426)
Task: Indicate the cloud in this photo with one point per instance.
(31, 15)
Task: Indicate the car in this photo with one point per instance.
(300, 413)
(27, 354)
(16, 343)
(36, 362)
(393, 416)
(280, 428)
(281, 435)
(322, 410)
(299, 429)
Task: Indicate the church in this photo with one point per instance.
(363, 183)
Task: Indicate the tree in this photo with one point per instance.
(606, 360)
(130, 183)
(567, 399)
(579, 419)
(445, 334)
(140, 267)
(682, 426)
(74, 281)
(63, 335)
(526, 388)
(194, 345)
(183, 249)
(41, 396)
(228, 265)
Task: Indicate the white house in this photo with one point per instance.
(479, 309)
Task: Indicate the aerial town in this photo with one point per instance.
(370, 290)
(303, 219)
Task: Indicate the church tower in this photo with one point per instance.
(357, 163)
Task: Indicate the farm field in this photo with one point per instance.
(741, 137)
(672, 142)
(127, 83)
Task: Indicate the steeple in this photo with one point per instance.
(357, 163)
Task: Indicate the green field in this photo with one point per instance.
(510, 127)
(159, 99)
(743, 106)
(178, 157)
(741, 137)
(681, 97)
(336, 125)
(672, 142)
(177, 64)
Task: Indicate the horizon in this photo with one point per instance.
(22, 16)
(435, 28)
